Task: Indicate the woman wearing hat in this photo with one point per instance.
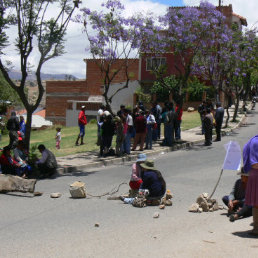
(153, 181)
(250, 159)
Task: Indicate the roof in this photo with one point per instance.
(242, 19)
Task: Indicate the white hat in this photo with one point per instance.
(106, 113)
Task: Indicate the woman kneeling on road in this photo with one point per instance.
(152, 183)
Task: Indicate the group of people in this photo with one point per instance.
(14, 159)
(143, 125)
(16, 162)
(210, 118)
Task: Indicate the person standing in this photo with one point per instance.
(219, 114)
(121, 112)
(119, 135)
(107, 132)
(178, 121)
(201, 110)
(82, 121)
(156, 111)
(169, 124)
(250, 161)
(58, 137)
(150, 124)
(100, 122)
(140, 129)
(22, 126)
(208, 124)
(13, 126)
(128, 130)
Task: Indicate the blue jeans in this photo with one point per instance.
(127, 143)
(82, 130)
(178, 130)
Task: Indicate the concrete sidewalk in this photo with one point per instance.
(87, 160)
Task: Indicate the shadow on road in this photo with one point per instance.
(20, 195)
(244, 234)
(80, 173)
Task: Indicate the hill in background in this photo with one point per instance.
(16, 75)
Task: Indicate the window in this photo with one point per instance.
(154, 62)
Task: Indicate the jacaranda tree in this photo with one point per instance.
(112, 37)
(187, 30)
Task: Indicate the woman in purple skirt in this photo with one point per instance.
(250, 159)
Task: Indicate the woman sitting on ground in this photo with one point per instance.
(21, 156)
(8, 164)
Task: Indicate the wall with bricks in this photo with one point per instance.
(57, 94)
(95, 79)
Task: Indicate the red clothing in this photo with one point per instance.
(140, 124)
(9, 161)
(135, 185)
(82, 120)
(179, 117)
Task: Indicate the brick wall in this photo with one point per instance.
(95, 79)
(57, 94)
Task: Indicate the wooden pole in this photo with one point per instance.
(216, 184)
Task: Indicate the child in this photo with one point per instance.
(58, 137)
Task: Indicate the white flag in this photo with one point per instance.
(233, 156)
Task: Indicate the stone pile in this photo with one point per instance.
(204, 204)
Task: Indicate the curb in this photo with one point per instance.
(122, 160)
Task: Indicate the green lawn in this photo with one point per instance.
(190, 120)
(69, 135)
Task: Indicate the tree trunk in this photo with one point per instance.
(227, 119)
(236, 108)
(28, 129)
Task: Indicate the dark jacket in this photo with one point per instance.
(219, 114)
(108, 128)
(13, 124)
(153, 183)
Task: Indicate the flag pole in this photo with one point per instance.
(216, 184)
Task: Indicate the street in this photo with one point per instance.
(65, 227)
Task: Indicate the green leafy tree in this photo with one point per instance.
(37, 30)
(7, 93)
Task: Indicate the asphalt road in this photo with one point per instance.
(65, 227)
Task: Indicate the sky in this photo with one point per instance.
(76, 42)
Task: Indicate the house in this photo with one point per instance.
(65, 98)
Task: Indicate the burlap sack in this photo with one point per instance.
(77, 190)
